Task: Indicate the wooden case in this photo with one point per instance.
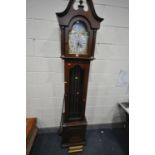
(73, 133)
(76, 69)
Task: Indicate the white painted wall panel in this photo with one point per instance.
(109, 66)
(116, 16)
(41, 78)
(109, 114)
(97, 91)
(112, 52)
(43, 30)
(45, 69)
(41, 64)
(30, 47)
(44, 9)
(114, 3)
(45, 103)
(46, 117)
(45, 90)
(45, 48)
(100, 79)
(29, 28)
(105, 100)
(113, 16)
(113, 35)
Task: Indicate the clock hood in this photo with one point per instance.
(66, 16)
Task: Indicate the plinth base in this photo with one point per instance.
(73, 133)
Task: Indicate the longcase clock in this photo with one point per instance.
(78, 37)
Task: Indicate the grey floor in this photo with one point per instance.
(99, 142)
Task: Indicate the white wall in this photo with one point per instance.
(45, 71)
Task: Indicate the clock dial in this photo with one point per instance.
(78, 39)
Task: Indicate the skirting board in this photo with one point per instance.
(89, 127)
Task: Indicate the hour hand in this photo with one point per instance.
(79, 44)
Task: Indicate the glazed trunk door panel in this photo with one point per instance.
(75, 90)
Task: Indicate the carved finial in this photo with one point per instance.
(81, 2)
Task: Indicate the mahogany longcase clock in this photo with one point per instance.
(78, 37)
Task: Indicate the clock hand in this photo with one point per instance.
(80, 44)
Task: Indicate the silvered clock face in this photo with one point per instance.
(78, 39)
